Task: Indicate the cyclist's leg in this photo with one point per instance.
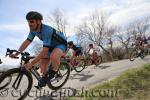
(55, 58)
(44, 62)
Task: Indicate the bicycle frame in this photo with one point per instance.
(24, 57)
(35, 74)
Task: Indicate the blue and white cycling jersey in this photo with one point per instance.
(50, 37)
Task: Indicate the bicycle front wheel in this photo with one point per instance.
(17, 82)
(61, 77)
(80, 66)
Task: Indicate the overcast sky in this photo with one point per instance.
(14, 28)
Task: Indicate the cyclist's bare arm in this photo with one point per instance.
(23, 46)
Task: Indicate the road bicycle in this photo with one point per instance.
(93, 59)
(138, 52)
(15, 77)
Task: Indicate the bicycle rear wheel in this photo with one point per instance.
(12, 80)
(61, 77)
(133, 55)
(98, 60)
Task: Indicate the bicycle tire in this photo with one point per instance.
(51, 86)
(17, 71)
(133, 55)
(146, 52)
(99, 61)
(79, 70)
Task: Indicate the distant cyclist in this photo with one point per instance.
(54, 45)
(69, 52)
(90, 50)
(144, 40)
(77, 49)
(148, 41)
(139, 41)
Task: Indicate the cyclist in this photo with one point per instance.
(77, 49)
(70, 52)
(148, 41)
(138, 41)
(140, 44)
(77, 52)
(54, 46)
(145, 44)
(145, 41)
(90, 50)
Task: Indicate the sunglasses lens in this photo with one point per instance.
(31, 21)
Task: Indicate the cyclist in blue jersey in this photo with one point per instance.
(54, 45)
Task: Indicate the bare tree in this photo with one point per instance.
(140, 27)
(131, 32)
(59, 20)
(111, 30)
(94, 29)
(143, 25)
(125, 38)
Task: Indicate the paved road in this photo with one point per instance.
(88, 77)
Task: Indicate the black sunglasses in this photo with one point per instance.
(31, 21)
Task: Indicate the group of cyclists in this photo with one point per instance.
(142, 43)
(141, 47)
(77, 51)
(55, 46)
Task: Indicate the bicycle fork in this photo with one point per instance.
(18, 80)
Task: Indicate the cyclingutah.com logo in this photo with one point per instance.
(63, 92)
(4, 92)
